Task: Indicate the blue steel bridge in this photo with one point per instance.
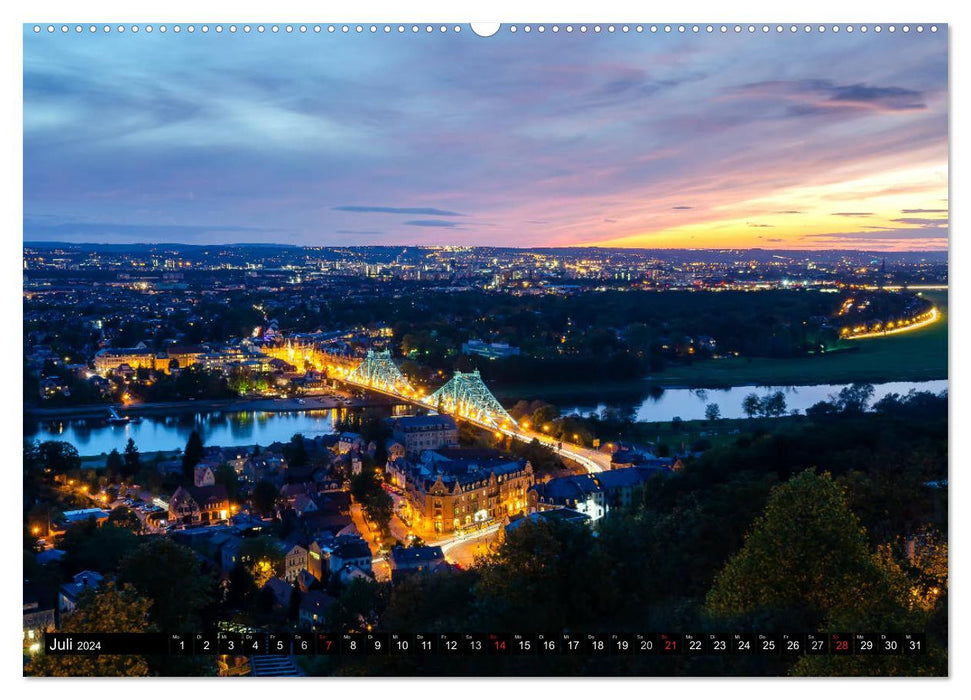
(464, 396)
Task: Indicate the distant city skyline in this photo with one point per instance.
(791, 141)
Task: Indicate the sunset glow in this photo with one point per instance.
(630, 140)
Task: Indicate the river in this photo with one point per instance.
(689, 404)
(231, 429)
(226, 429)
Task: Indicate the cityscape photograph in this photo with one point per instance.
(598, 350)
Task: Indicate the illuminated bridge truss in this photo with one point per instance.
(466, 395)
(379, 371)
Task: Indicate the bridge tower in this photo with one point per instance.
(465, 394)
(379, 371)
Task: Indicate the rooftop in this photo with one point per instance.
(417, 422)
(409, 556)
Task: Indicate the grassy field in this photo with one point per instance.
(573, 392)
(917, 356)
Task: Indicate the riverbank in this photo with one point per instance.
(166, 408)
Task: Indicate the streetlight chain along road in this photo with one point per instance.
(591, 460)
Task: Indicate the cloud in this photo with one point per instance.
(789, 211)
(352, 232)
(917, 221)
(886, 234)
(761, 226)
(222, 129)
(889, 98)
(815, 96)
(420, 211)
(432, 223)
(923, 211)
(852, 213)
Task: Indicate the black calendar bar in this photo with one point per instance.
(68, 643)
(492, 644)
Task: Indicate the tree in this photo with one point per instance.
(820, 409)
(854, 398)
(545, 413)
(712, 412)
(807, 553)
(192, 455)
(377, 504)
(560, 564)
(360, 604)
(379, 508)
(114, 465)
(242, 587)
(58, 457)
(171, 575)
(226, 475)
(296, 451)
(293, 609)
(97, 548)
(131, 459)
(264, 558)
(264, 496)
(121, 516)
(774, 404)
(107, 609)
(751, 405)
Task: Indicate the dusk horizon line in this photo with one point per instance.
(508, 247)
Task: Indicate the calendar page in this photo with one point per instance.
(436, 349)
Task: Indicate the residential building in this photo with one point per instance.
(593, 494)
(295, 562)
(451, 489)
(110, 359)
(316, 563)
(413, 560)
(419, 433)
(204, 475)
(349, 551)
(199, 505)
(67, 599)
(281, 591)
(622, 487)
(350, 442)
(75, 517)
(580, 492)
(39, 617)
(555, 515)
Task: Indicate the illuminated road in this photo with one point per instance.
(458, 549)
(591, 460)
(462, 549)
(934, 317)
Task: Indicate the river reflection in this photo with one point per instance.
(228, 429)
(689, 404)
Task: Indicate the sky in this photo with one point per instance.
(791, 141)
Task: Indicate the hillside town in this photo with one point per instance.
(299, 523)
